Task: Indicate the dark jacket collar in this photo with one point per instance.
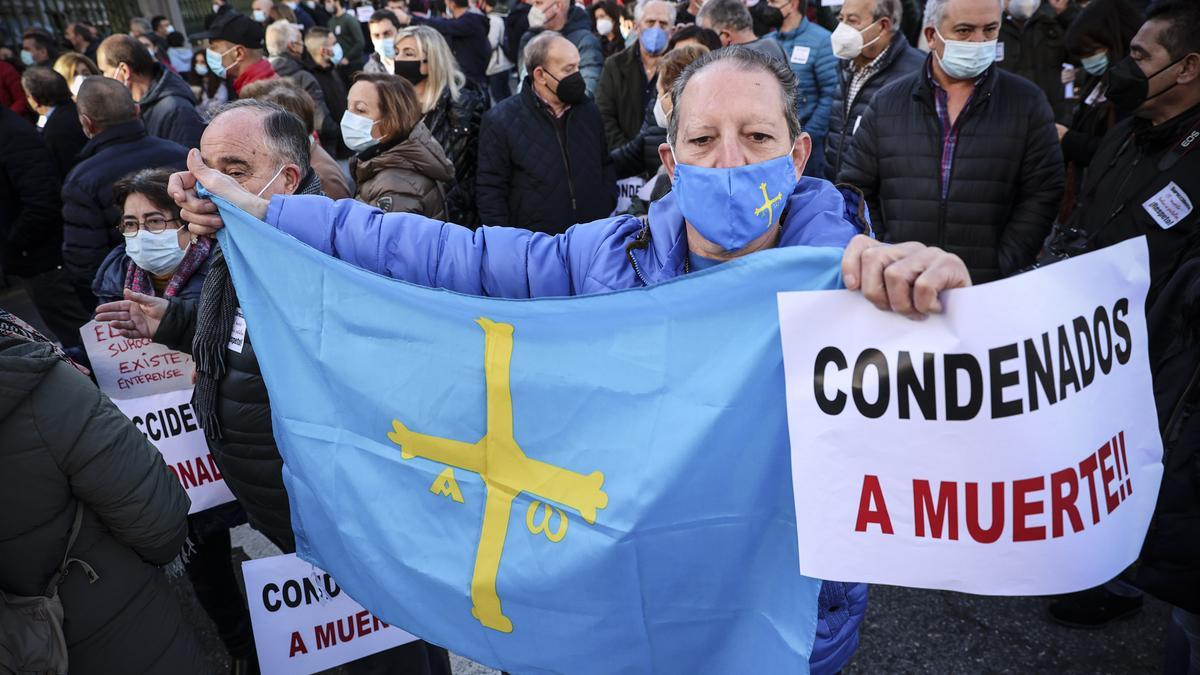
(984, 85)
(535, 103)
(117, 134)
(1167, 133)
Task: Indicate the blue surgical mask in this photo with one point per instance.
(654, 40)
(336, 58)
(26, 57)
(733, 207)
(356, 131)
(156, 252)
(215, 61)
(965, 60)
(1096, 64)
(385, 48)
(260, 16)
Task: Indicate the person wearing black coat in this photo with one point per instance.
(1033, 47)
(544, 162)
(895, 60)
(168, 107)
(67, 446)
(50, 97)
(119, 145)
(995, 207)
(467, 34)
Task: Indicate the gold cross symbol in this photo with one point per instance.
(506, 472)
(768, 204)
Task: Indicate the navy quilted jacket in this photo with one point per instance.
(528, 177)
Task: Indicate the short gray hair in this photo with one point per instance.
(283, 132)
(279, 35)
(538, 49)
(891, 9)
(143, 25)
(727, 14)
(935, 11)
(742, 59)
(639, 10)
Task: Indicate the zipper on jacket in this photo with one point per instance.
(562, 148)
(956, 127)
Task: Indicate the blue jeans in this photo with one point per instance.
(1183, 644)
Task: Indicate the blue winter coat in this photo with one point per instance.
(605, 255)
(815, 67)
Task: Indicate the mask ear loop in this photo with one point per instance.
(264, 188)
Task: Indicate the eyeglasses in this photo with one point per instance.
(130, 227)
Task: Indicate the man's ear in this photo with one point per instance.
(930, 36)
(801, 153)
(668, 160)
(1191, 69)
(86, 123)
(291, 177)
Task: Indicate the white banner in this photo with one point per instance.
(304, 623)
(627, 189)
(152, 385)
(1007, 447)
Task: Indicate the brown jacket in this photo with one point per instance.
(333, 181)
(408, 176)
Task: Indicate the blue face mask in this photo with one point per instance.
(733, 207)
(1096, 64)
(215, 61)
(654, 40)
(337, 53)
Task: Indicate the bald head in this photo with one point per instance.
(102, 103)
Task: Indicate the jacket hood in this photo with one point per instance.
(166, 85)
(419, 153)
(23, 364)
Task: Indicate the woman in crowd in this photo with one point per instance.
(208, 89)
(291, 96)
(453, 110)
(694, 35)
(397, 164)
(1099, 37)
(160, 258)
(74, 66)
(605, 23)
(81, 484)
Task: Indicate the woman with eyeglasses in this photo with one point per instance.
(160, 258)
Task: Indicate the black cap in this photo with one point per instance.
(236, 28)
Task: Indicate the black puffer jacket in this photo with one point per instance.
(30, 213)
(455, 126)
(900, 60)
(169, 110)
(1004, 185)
(63, 443)
(531, 177)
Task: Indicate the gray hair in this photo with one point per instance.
(283, 132)
(143, 25)
(745, 60)
(891, 9)
(639, 10)
(725, 14)
(279, 35)
(935, 11)
(538, 49)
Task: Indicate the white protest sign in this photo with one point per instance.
(1007, 447)
(627, 189)
(152, 385)
(304, 623)
(129, 368)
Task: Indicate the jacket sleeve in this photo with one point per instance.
(492, 261)
(860, 166)
(1079, 147)
(111, 466)
(1039, 191)
(85, 241)
(591, 62)
(178, 325)
(354, 38)
(492, 179)
(30, 170)
(608, 101)
(185, 125)
(827, 88)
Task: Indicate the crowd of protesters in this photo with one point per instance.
(1005, 133)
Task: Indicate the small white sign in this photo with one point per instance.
(304, 622)
(1169, 206)
(237, 338)
(800, 54)
(364, 13)
(1005, 447)
(999, 52)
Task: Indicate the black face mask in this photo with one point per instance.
(411, 71)
(572, 90)
(1129, 87)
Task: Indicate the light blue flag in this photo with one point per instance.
(596, 484)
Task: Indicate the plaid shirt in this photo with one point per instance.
(949, 131)
(860, 75)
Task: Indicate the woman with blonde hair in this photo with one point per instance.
(453, 109)
(74, 66)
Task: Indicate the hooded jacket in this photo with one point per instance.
(169, 110)
(287, 66)
(66, 443)
(578, 30)
(407, 176)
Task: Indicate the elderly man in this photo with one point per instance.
(627, 85)
(543, 163)
(808, 51)
(730, 20)
(235, 50)
(716, 101)
(961, 154)
(285, 47)
(572, 22)
(167, 105)
(874, 53)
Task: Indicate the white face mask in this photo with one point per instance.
(156, 252)
(604, 26)
(76, 84)
(356, 131)
(964, 60)
(847, 41)
(537, 18)
(660, 115)
(1023, 9)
